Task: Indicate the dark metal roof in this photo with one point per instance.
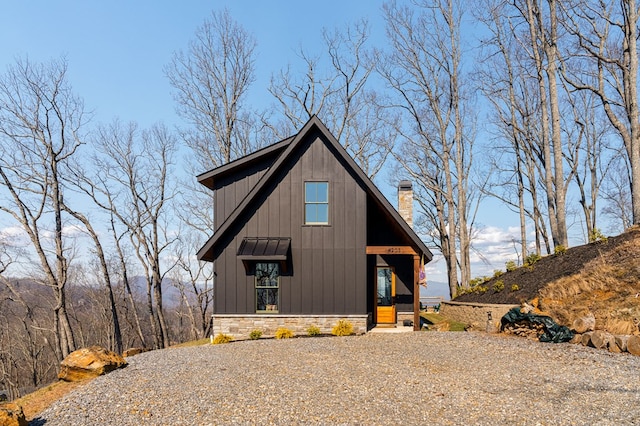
(264, 248)
(208, 178)
(285, 149)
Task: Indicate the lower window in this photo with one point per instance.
(267, 286)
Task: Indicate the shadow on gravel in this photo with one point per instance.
(38, 421)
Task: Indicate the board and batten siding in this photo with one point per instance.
(230, 191)
(328, 274)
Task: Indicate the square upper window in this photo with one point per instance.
(316, 203)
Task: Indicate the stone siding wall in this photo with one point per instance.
(474, 314)
(239, 326)
(404, 316)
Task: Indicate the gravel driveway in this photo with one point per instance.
(411, 379)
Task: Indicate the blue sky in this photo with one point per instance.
(117, 49)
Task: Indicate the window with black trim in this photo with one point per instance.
(267, 286)
(316, 203)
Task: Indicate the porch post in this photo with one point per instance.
(416, 293)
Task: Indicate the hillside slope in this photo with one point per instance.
(602, 278)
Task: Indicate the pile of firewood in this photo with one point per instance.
(526, 329)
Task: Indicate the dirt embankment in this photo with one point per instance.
(602, 278)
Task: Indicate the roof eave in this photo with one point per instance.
(208, 178)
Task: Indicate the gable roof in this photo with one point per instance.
(208, 178)
(288, 147)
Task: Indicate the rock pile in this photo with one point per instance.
(586, 334)
(601, 339)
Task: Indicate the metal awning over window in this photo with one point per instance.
(264, 249)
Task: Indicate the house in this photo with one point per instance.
(303, 237)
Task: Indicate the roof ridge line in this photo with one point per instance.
(258, 186)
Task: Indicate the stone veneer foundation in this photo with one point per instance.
(240, 325)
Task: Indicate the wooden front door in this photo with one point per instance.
(386, 291)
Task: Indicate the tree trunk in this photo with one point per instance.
(136, 317)
(601, 339)
(127, 286)
(584, 323)
(633, 345)
(153, 320)
(630, 77)
(164, 332)
(106, 276)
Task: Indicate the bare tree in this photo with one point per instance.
(424, 69)
(211, 80)
(501, 81)
(194, 281)
(106, 195)
(616, 194)
(541, 42)
(26, 359)
(106, 275)
(41, 124)
(337, 93)
(588, 154)
(561, 128)
(605, 62)
(132, 183)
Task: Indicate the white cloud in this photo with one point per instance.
(493, 246)
(12, 232)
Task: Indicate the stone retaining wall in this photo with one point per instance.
(239, 326)
(475, 314)
(404, 316)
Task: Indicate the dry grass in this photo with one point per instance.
(34, 403)
(608, 287)
(200, 342)
(39, 400)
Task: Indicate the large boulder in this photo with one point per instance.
(12, 415)
(88, 363)
(633, 345)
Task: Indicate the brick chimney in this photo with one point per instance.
(405, 201)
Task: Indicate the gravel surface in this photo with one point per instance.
(411, 379)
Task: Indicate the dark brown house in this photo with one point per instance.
(303, 237)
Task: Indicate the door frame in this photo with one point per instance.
(403, 250)
(388, 313)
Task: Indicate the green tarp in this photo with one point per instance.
(553, 332)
